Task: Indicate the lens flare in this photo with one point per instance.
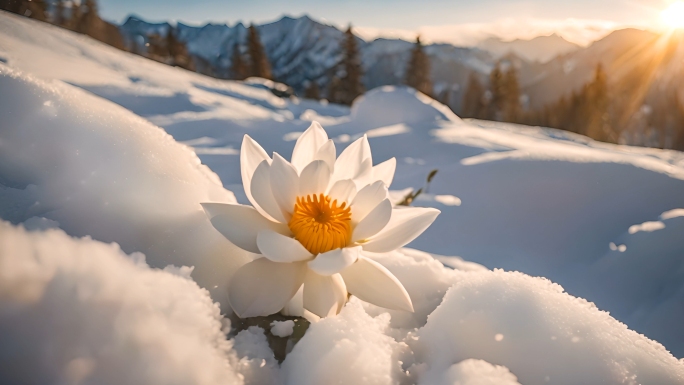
(673, 16)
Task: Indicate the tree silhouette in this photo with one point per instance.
(238, 66)
(258, 62)
(75, 16)
(497, 91)
(348, 86)
(35, 9)
(418, 69)
(312, 91)
(58, 18)
(473, 105)
(178, 51)
(511, 111)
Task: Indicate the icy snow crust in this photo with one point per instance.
(76, 310)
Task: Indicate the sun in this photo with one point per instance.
(673, 16)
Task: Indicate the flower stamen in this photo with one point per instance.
(319, 224)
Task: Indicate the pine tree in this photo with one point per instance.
(58, 18)
(75, 17)
(258, 62)
(678, 140)
(312, 91)
(38, 9)
(178, 51)
(335, 89)
(35, 9)
(445, 97)
(157, 49)
(511, 110)
(418, 69)
(473, 99)
(497, 94)
(14, 6)
(349, 86)
(90, 23)
(596, 107)
(238, 67)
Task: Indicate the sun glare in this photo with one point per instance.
(673, 16)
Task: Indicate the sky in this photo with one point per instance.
(462, 22)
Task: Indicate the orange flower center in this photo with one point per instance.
(319, 224)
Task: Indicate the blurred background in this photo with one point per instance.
(608, 69)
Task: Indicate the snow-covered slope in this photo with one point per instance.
(539, 201)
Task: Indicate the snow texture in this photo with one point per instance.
(351, 348)
(540, 333)
(282, 328)
(543, 202)
(77, 311)
(471, 372)
(79, 162)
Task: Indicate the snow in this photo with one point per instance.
(646, 226)
(282, 328)
(81, 311)
(408, 107)
(540, 201)
(471, 372)
(73, 160)
(547, 334)
(351, 348)
(672, 214)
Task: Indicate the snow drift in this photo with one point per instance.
(540, 333)
(95, 169)
(78, 311)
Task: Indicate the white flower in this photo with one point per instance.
(314, 220)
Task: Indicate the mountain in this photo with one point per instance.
(540, 49)
(570, 72)
(302, 50)
(645, 82)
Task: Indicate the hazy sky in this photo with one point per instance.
(459, 21)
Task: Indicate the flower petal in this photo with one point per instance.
(404, 226)
(372, 282)
(385, 171)
(343, 190)
(240, 224)
(307, 145)
(281, 248)
(367, 199)
(262, 287)
(324, 295)
(349, 163)
(327, 153)
(295, 307)
(314, 178)
(261, 192)
(375, 221)
(251, 155)
(284, 183)
(365, 174)
(334, 261)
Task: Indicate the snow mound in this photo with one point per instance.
(389, 105)
(350, 348)
(78, 311)
(540, 333)
(96, 169)
(471, 372)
